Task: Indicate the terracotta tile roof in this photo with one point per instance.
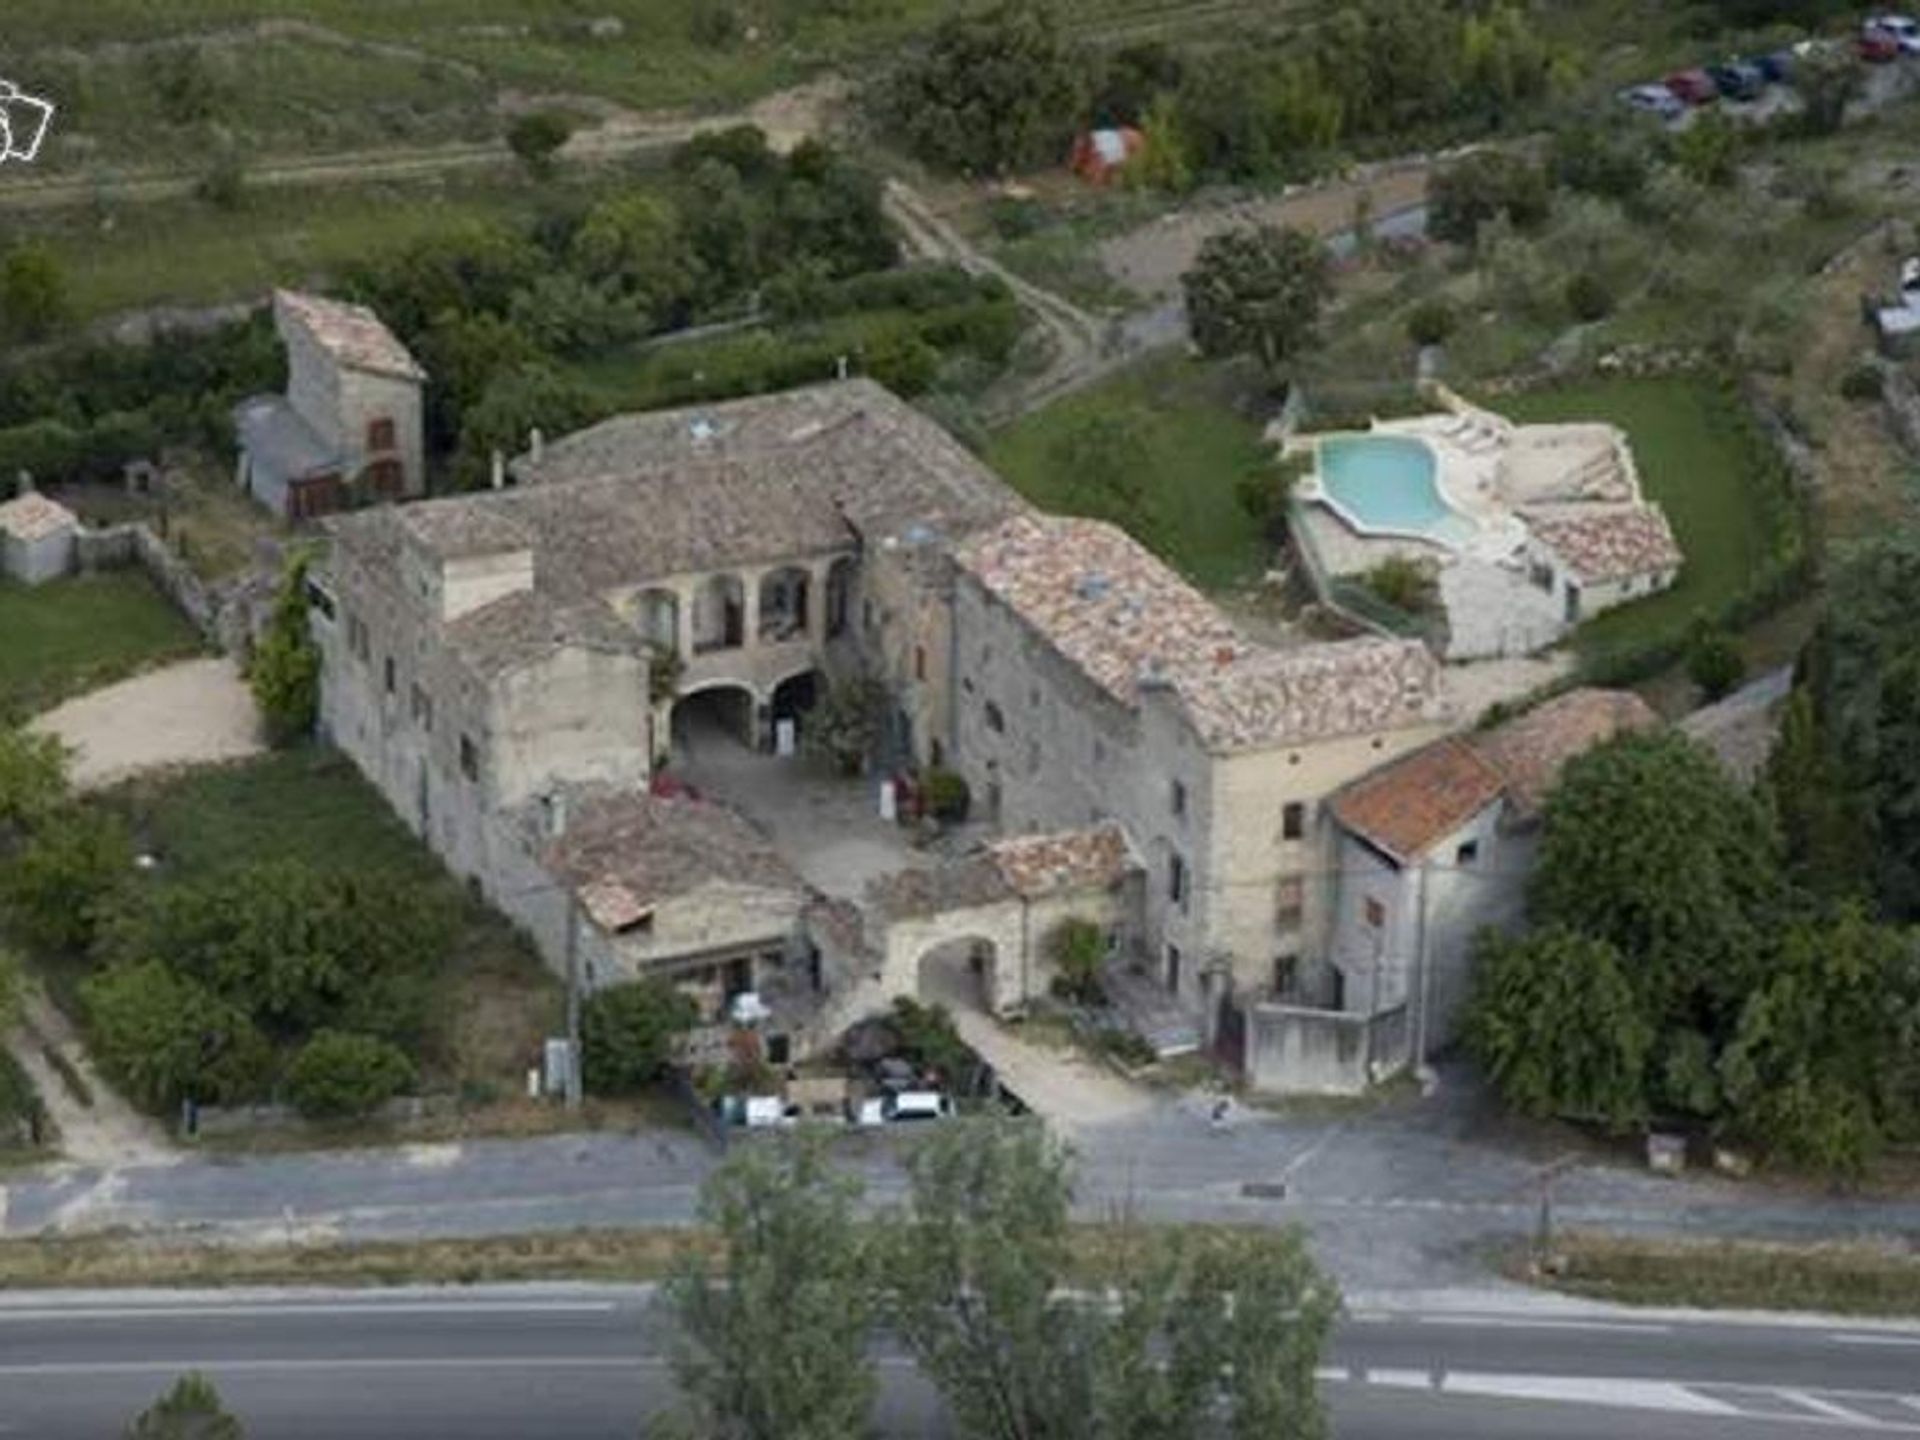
(1318, 692)
(1529, 750)
(1600, 545)
(1410, 804)
(351, 334)
(624, 854)
(956, 885)
(1101, 599)
(1038, 865)
(33, 516)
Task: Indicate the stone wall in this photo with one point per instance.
(1296, 1051)
(230, 614)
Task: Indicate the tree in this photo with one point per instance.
(1559, 1028)
(10, 986)
(772, 1341)
(1191, 1335)
(536, 138)
(1863, 672)
(285, 671)
(1078, 949)
(845, 725)
(191, 1410)
(1825, 835)
(1814, 1067)
(1258, 291)
(1473, 190)
(465, 353)
(165, 1039)
(634, 243)
(33, 779)
(627, 1033)
(1602, 159)
(993, 92)
(58, 889)
(1649, 846)
(1162, 162)
(1708, 150)
(565, 315)
(514, 403)
(339, 1075)
(1432, 321)
(1827, 84)
(33, 293)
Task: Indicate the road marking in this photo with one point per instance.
(1400, 1379)
(1827, 1407)
(1499, 1322)
(53, 1368)
(1913, 1340)
(1664, 1395)
(254, 1312)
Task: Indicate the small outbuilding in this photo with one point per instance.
(36, 539)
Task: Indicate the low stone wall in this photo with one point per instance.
(230, 614)
(254, 1119)
(1293, 1050)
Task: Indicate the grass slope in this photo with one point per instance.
(1187, 439)
(62, 638)
(1695, 451)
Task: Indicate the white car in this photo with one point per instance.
(1903, 28)
(902, 1107)
(1654, 100)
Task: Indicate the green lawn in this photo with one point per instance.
(1157, 450)
(495, 1000)
(1698, 457)
(59, 639)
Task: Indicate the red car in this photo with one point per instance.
(1879, 46)
(1696, 87)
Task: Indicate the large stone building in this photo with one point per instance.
(511, 669)
(348, 428)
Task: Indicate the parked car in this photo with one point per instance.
(1737, 80)
(756, 1112)
(1654, 100)
(902, 1107)
(1695, 87)
(1777, 67)
(1877, 46)
(1904, 29)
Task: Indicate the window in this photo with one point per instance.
(421, 706)
(996, 722)
(1177, 799)
(1293, 821)
(1033, 757)
(1285, 974)
(319, 599)
(1033, 695)
(1541, 575)
(919, 662)
(1376, 913)
(1173, 967)
(357, 638)
(1289, 903)
(380, 435)
(866, 614)
(1177, 879)
(389, 675)
(1099, 752)
(469, 758)
(1468, 852)
(936, 754)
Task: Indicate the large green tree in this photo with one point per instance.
(627, 1033)
(63, 883)
(993, 91)
(33, 293)
(1258, 291)
(1559, 1027)
(165, 1038)
(33, 779)
(1863, 671)
(1825, 833)
(771, 1338)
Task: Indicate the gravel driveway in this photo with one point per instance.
(193, 713)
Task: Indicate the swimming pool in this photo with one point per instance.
(1386, 484)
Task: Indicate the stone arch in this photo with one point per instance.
(719, 614)
(785, 595)
(722, 709)
(962, 971)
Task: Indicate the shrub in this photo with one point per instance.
(165, 1038)
(1402, 583)
(1432, 321)
(223, 184)
(285, 673)
(929, 1038)
(947, 796)
(627, 1033)
(1714, 662)
(1078, 948)
(1862, 383)
(537, 138)
(340, 1075)
(33, 293)
(1474, 190)
(1589, 297)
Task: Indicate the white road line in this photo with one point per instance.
(55, 1368)
(1664, 1395)
(1399, 1379)
(1828, 1408)
(1497, 1322)
(1909, 1340)
(295, 1312)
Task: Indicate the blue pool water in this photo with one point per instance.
(1386, 482)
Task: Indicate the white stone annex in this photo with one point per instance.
(1528, 529)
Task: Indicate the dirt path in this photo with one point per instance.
(105, 1134)
(194, 713)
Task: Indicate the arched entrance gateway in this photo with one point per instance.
(714, 715)
(960, 973)
(792, 699)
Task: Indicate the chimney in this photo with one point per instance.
(499, 471)
(536, 443)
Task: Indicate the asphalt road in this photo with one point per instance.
(589, 1363)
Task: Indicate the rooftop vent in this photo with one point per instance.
(703, 429)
